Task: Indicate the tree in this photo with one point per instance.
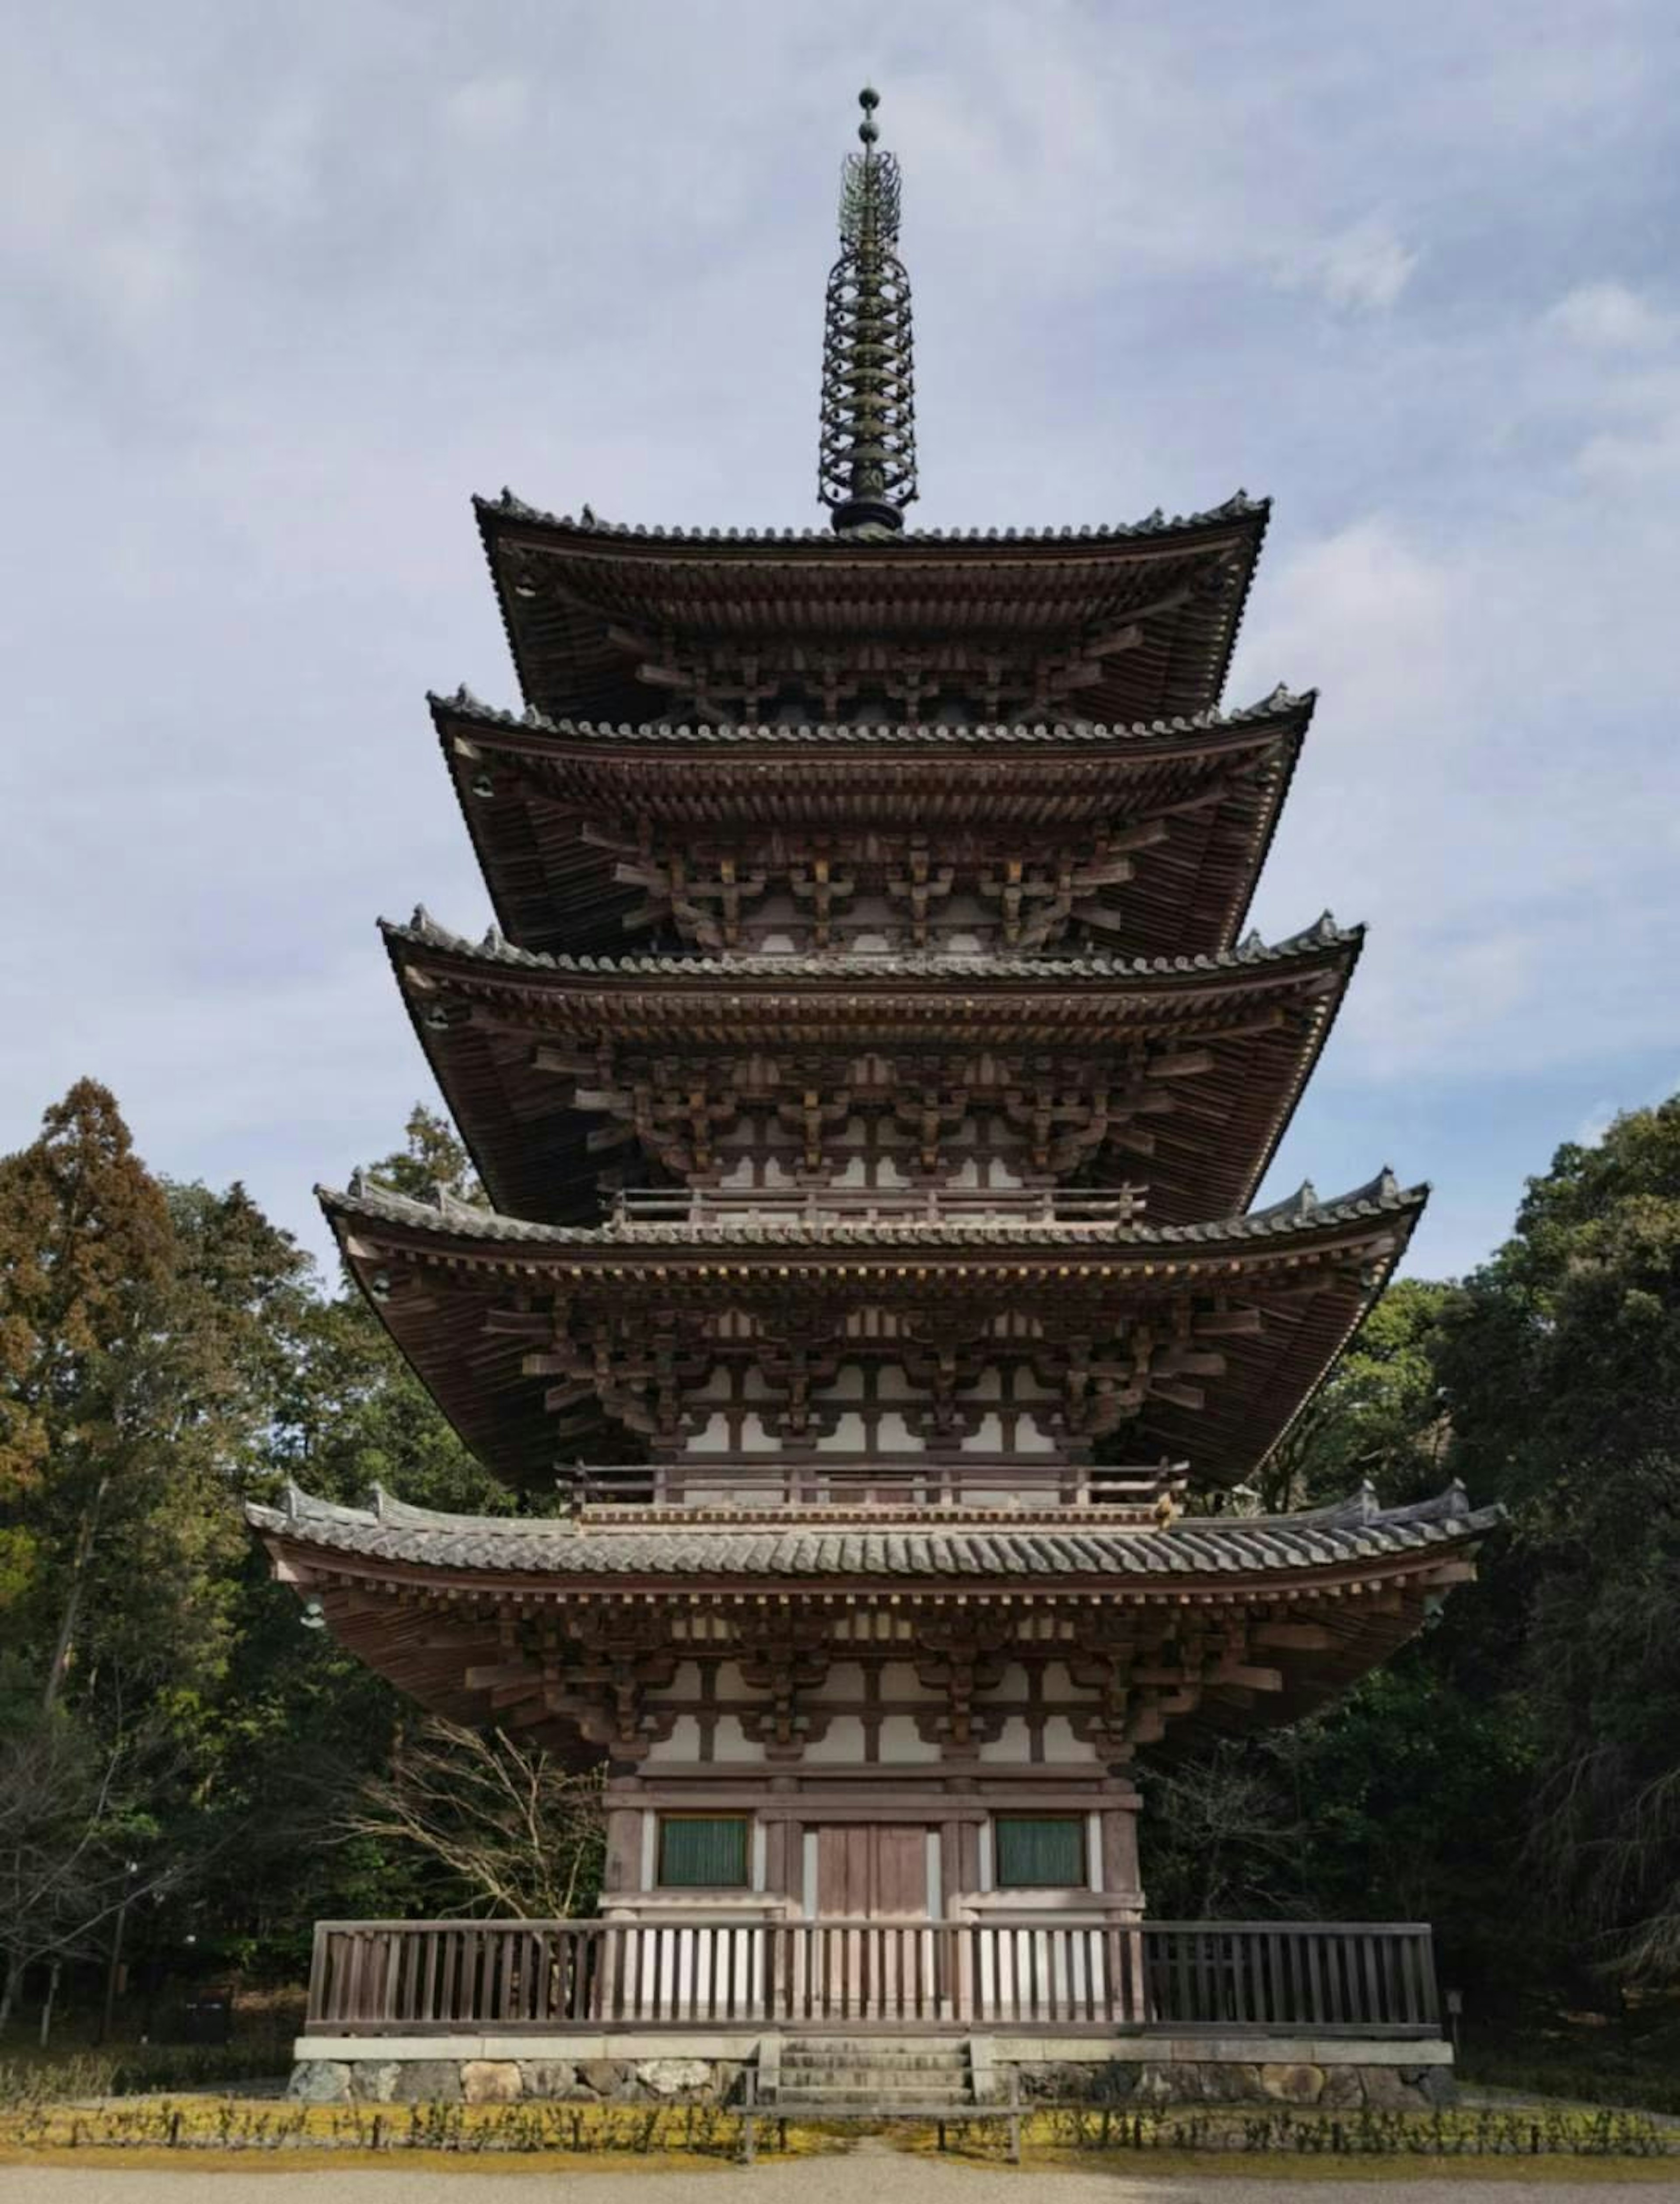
(85, 1253)
(1379, 1417)
(1561, 1364)
(515, 1831)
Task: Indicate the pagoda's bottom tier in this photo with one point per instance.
(929, 1646)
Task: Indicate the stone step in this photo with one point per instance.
(876, 2050)
(870, 2054)
(954, 2047)
(874, 2078)
(886, 2100)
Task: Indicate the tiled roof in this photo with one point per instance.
(464, 705)
(1039, 971)
(508, 507)
(1194, 1546)
(1382, 1196)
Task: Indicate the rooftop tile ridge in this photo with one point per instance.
(463, 703)
(587, 523)
(1350, 1525)
(1325, 933)
(1380, 1196)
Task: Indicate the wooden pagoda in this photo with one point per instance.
(870, 1079)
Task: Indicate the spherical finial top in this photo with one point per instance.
(869, 99)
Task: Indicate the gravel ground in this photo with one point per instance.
(873, 2174)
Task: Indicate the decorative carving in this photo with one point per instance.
(962, 1656)
(787, 1655)
(620, 1655)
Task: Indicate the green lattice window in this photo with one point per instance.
(1043, 1851)
(701, 1851)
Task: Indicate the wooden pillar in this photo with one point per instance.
(623, 1869)
(779, 1841)
(1119, 1818)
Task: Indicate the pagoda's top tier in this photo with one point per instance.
(1122, 625)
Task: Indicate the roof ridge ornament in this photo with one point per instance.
(866, 456)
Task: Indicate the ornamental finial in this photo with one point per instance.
(866, 461)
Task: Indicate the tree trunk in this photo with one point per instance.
(66, 1627)
(46, 2008)
(9, 1989)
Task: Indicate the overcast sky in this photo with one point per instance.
(281, 286)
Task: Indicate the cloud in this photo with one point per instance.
(1363, 270)
(487, 109)
(1610, 318)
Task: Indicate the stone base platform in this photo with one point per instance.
(1140, 2069)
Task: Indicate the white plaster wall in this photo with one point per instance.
(731, 1742)
(1012, 1746)
(901, 1746)
(894, 1436)
(1061, 1745)
(844, 1742)
(681, 1748)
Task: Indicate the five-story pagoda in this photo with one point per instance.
(871, 1078)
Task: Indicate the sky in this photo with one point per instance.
(281, 288)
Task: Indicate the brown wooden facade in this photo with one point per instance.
(871, 1087)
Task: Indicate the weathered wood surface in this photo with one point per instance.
(373, 1977)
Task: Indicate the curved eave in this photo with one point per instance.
(434, 1278)
(569, 660)
(1360, 1579)
(559, 791)
(532, 1143)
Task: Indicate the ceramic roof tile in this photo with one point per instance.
(424, 931)
(564, 1548)
(1282, 702)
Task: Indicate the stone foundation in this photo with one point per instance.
(1146, 2085)
(1341, 2074)
(671, 2078)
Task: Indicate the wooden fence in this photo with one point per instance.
(420, 1977)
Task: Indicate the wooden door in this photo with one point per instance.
(872, 1871)
(873, 1876)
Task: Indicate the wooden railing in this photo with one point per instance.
(1084, 1207)
(837, 1480)
(434, 1977)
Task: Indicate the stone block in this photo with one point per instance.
(320, 2082)
(1199, 2081)
(374, 2080)
(428, 2082)
(1436, 2085)
(548, 2077)
(1079, 2082)
(490, 2081)
(1157, 2084)
(674, 2077)
(1293, 2085)
(1385, 2091)
(604, 2077)
(1342, 2091)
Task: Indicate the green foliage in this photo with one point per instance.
(1378, 1418)
(1514, 1776)
(165, 1353)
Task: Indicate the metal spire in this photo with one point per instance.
(866, 459)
